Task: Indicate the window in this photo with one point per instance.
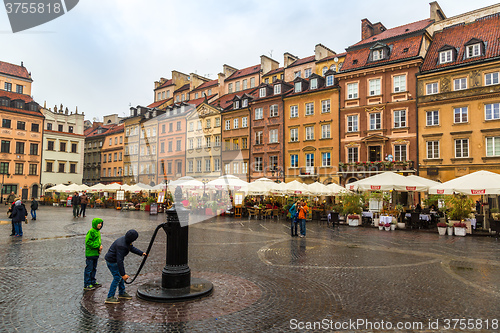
(236, 105)
(493, 146)
(120, 156)
(115, 157)
(378, 54)
(230, 88)
(352, 90)
(244, 103)
(50, 145)
(227, 168)
(33, 148)
(244, 143)
(375, 121)
(309, 160)
(374, 87)
(19, 147)
(473, 50)
(259, 114)
(171, 127)
(324, 70)
(461, 148)
(235, 123)
(310, 133)
(74, 148)
(352, 154)
(325, 106)
(309, 109)
(21, 125)
(297, 87)
(217, 141)
(325, 131)
(432, 118)
(228, 125)
(216, 164)
(431, 88)
(49, 126)
(258, 138)
(8, 86)
(294, 111)
(352, 123)
(60, 128)
(273, 162)
(445, 56)
(170, 145)
(460, 84)
(104, 158)
(209, 123)
(207, 165)
(49, 166)
(294, 161)
(313, 84)
(191, 126)
(70, 129)
(325, 159)
(237, 86)
(207, 142)
(258, 164)
(61, 167)
(236, 167)
(72, 168)
(432, 149)
(217, 122)
(329, 80)
(62, 146)
(252, 82)
(19, 168)
(307, 72)
(399, 82)
(6, 123)
(277, 89)
(198, 165)
(273, 136)
(4, 167)
(244, 167)
(190, 166)
(32, 169)
(262, 92)
(245, 84)
(294, 134)
(491, 78)
(492, 111)
(273, 110)
(297, 74)
(162, 146)
(244, 122)
(400, 152)
(178, 145)
(460, 115)
(110, 156)
(35, 127)
(399, 118)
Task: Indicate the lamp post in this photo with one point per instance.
(204, 181)
(1, 191)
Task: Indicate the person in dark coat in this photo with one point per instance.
(9, 214)
(84, 200)
(19, 215)
(114, 259)
(75, 202)
(34, 207)
(11, 198)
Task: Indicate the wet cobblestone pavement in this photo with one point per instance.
(263, 279)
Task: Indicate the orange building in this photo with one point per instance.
(112, 155)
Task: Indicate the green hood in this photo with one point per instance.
(95, 222)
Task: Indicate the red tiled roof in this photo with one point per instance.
(14, 70)
(303, 61)
(206, 85)
(358, 58)
(184, 87)
(94, 131)
(158, 103)
(275, 71)
(486, 29)
(88, 130)
(397, 31)
(198, 101)
(244, 72)
(165, 84)
(227, 99)
(22, 111)
(67, 133)
(14, 96)
(116, 129)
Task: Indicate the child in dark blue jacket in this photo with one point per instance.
(114, 259)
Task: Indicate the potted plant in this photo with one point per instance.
(460, 229)
(387, 227)
(441, 228)
(495, 213)
(460, 206)
(400, 209)
(449, 228)
(352, 203)
(393, 224)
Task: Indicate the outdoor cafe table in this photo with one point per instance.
(385, 219)
(422, 217)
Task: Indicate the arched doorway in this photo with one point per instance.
(34, 191)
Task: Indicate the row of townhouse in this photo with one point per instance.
(419, 98)
(39, 147)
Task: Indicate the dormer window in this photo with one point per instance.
(473, 50)
(298, 86)
(329, 80)
(314, 84)
(236, 104)
(445, 56)
(277, 89)
(378, 54)
(324, 70)
(244, 103)
(262, 92)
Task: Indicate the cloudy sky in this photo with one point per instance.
(104, 56)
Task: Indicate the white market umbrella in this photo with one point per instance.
(260, 188)
(112, 187)
(387, 181)
(423, 180)
(264, 179)
(296, 188)
(319, 189)
(146, 187)
(228, 181)
(184, 182)
(97, 188)
(57, 188)
(71, 188)
(477, 183)
(336, 189)
(133, 188)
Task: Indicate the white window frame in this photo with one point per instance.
(309, 132)
(352, 123)
(460, 83)
(258, 164)
(352, 90)
(432, 150)
(433, 121)
(445, 56)
(273, 110)
(326, 159)
(297, 86)
(236, 123)
(309, 109)
(208, 166)
(307, 72)
(463, 114)
(313, 84)
(400, 152)
(294, 161)
(244, 122)
(277, 89)
(378, 54)
(492, 111)
(375, 119)
(494, 143)
(399, 83)
(374, 87)
(459, 144)
(259, 113)
(400, 119)
(227, 125)
(325, 106)
(244, 103)
(273, 136)
(352, 154)
(294, 111)
(294, 135)
(473, 50)
(198, 165)
(262, 92)
(259, 137)
(431, 88)
(326, 131)
(491, 78)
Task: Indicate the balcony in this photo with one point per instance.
(308, 172)
(375, 167)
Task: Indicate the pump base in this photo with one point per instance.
(153, 291)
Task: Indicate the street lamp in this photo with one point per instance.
(1, 191)
(204, 181)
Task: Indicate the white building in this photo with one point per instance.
(63, 144)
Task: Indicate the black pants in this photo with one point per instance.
(13, 229)
(83, 208)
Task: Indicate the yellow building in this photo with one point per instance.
(459, 101)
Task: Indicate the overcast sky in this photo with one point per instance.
(103, 56)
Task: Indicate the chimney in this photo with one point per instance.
(267, 64)
(437, 13)
(228, 70)
(289, 59)
(321, 52)
(369, 30)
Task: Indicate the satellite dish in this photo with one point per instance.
(336, 59)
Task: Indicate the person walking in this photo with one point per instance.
(11, 198)
(34, 207)
(303, 209)
(114, 259)
(293, 214)
(84, 200)
(19, 215)
(93, 248)
(9, 215)
(75, 202)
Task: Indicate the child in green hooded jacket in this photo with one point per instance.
(93, 248)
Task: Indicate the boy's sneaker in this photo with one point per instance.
(125, 295)
(90, 287)
(97, 285)
(111, 300)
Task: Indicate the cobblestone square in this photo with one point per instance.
(264, 280)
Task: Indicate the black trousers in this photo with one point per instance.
(83, 208)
